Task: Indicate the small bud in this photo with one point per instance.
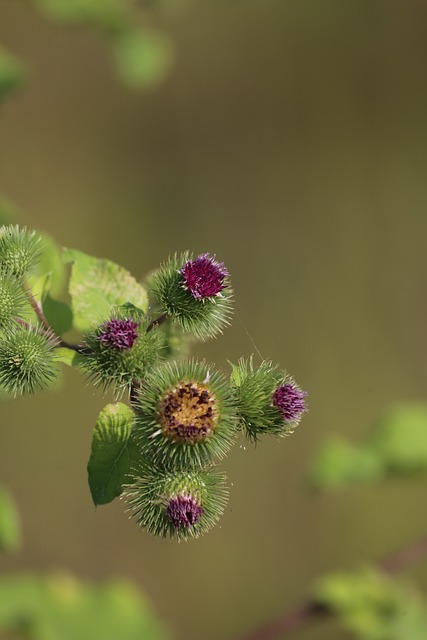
(174, 504)
(20, 249)
(195, 293)
(269, 400)
(185, 415)
(27, 360)
(12, 298)
(121, 350)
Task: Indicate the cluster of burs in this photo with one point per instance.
(186, 414)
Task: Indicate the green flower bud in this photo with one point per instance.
(269, 401)
(179, 505)
(121, 349)
(12, 298)
(195, 293)
(185, 415)
(27, 360)
(20, 249)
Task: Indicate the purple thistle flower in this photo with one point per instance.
(184, 511)
(204, 277)
(290, 401)
(119, 334)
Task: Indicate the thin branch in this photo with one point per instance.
(47, 333)
(299, 617)
(37, 310)
(310, 612)
(157, 322)
(46, 329)
(135, 387)
(405, 558)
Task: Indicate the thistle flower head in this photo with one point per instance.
(185, 415)
(121, 350)
(118, 333)
(176, 504)
(12, 298)
(289, 399)
(269, 401)
(188, 413)
(204, 277)
(195, 293)
(27, 360)
(20, 249)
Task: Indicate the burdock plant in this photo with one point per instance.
(160, 449)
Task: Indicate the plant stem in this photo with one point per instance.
(133, 395)
(158, 321)
(37, 310)
(406, 557)
(299, 617)
(312, 611)
(48, 333)
(45, 328)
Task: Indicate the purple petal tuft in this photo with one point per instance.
(290, 401)
(184, 511)
(204, 277)
(119, 334)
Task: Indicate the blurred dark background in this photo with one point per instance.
(290, 139)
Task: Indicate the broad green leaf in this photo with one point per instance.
(114, 453)
(143, 58)
(10, 531)
(39, 286)
(401, 438)
(51, 263)
(11, 73)
(58, 314)
(59, 607)
(373, 605)
(339, 464)
(69, 356)
(97, 285)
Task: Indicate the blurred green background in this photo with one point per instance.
(290, 139)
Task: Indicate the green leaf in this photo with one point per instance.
(58, 314)
(374, 606)
(97, 285)
(50, 262)
(401, 438)
(114, 453)
(10, 531)
(39, 286)
(60, 607)
(69, 357)
(11, 73)
(143, 58)
(339, 464)
(236, 377)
